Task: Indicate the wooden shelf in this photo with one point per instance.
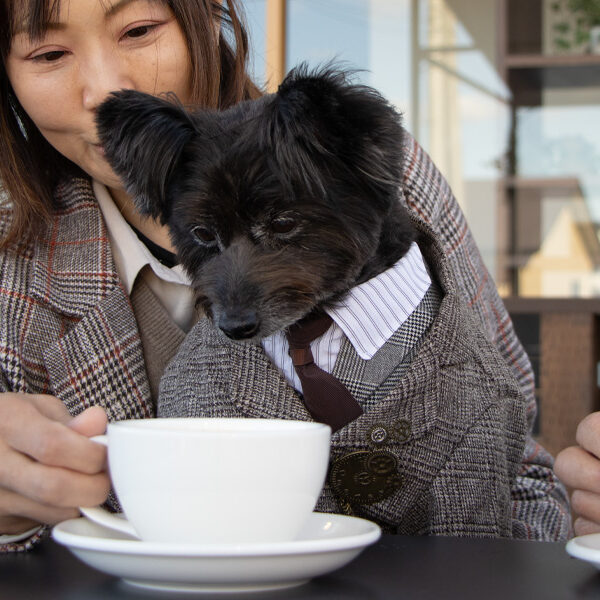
(528, 74)
(552, 183)
(521, 305)
(524, 66)
(542, 61)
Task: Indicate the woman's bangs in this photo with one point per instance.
(32, 16)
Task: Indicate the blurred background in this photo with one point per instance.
(505, 97)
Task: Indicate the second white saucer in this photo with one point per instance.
(327, 543)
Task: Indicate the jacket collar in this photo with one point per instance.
(99, 358)
(73, 265)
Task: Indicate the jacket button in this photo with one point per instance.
(377, 435)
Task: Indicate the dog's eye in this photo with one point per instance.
(205, 236)
(283, 224)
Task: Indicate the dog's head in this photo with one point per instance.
(275, 206)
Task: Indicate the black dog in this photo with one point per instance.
(276, 206)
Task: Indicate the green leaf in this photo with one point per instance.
(562, 27)
(562, 44)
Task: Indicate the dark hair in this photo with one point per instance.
(30, 167)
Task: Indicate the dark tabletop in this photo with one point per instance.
(395, 567)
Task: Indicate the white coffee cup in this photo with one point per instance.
(216, 480)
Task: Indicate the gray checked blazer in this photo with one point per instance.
(451, 422)
(67, 327)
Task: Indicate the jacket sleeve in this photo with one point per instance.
(540, 503)
(23, 545)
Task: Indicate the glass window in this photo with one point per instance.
(255, 12)
(505, 97)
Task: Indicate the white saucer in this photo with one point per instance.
(328, 542)
(586, 547)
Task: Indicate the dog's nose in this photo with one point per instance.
(239, 326)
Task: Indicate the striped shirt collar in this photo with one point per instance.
(367, 316)
(371, 312)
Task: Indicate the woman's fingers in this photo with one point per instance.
(582, 526)
(22, 514)
(49, 485)
(48, 465)
(47, 405)
(16, 525)
(92, 421)
(587, 505)
(578, 469)
(588, 434)
(26, 430)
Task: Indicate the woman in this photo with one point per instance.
(81, 331)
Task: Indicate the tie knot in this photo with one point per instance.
(303, 332)
(326, 398)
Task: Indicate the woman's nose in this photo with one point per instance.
(101, 74)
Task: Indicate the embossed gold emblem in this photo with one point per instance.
(365, 477)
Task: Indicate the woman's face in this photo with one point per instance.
(93, 48)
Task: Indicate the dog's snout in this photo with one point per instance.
(240, 326)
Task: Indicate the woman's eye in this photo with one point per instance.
(207, 237)
(283, 225)
(138, 31)
(52, 56)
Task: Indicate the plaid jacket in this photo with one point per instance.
(440, 442)
(67, 327)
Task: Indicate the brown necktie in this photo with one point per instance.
(326, 398)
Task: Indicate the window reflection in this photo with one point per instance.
(505, 96)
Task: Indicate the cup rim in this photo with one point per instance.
(220, 426)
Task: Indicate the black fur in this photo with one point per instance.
(275, 206)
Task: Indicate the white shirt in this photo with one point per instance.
(170, 285)
(368, 315)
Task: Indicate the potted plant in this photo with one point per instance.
(574, 25)
(589, 10)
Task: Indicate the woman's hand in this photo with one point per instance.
(578, 467)
(48, 466)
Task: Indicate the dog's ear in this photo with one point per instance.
(322, 118)
(143, 137)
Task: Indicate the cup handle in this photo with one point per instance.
(100, 515)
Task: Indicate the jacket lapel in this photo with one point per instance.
(212, 376)
(98, 356)
(265, 392)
